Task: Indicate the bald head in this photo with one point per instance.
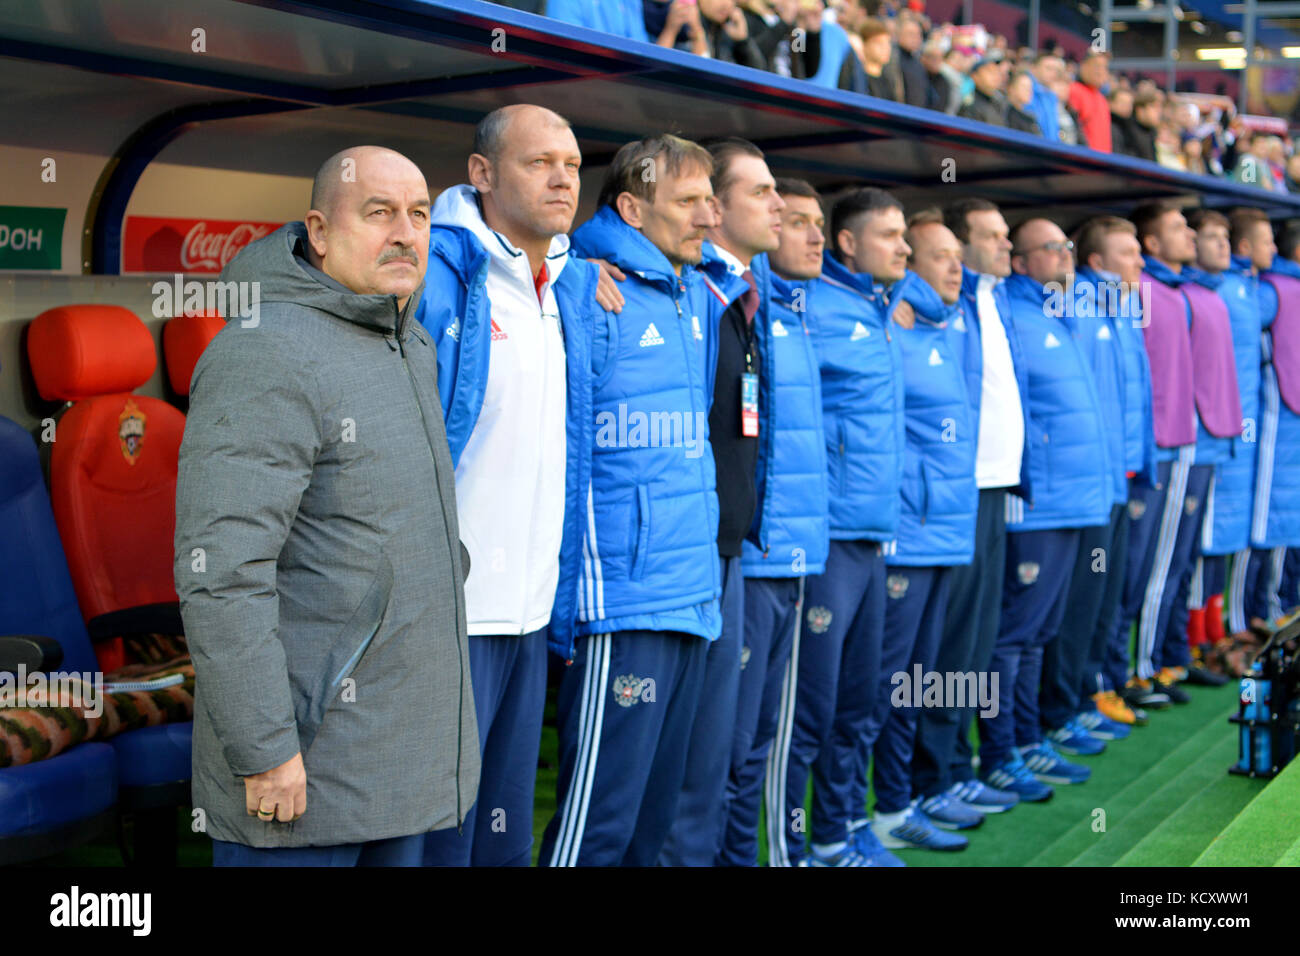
(524, 168)
(1039, 250)
(368, 227)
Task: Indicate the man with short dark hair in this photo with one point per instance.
(987, 103)
(327, 624)
(789, 539)
(647, 605)
(838, 662)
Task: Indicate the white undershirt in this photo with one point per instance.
(511, 475)
(1002, 422)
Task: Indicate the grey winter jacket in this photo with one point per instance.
(325, 610)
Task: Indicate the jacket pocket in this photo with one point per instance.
(841, 453)
(641, 542)
(1043, 451)
(347, 651)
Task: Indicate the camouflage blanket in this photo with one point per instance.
(45, 727)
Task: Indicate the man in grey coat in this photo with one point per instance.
(318, 559)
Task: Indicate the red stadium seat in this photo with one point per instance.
(112, 470)
(184, 339)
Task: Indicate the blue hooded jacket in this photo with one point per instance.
(622, 18)
(1071, 472)
(1097, 326)
(967, 327)
(456, 312)
(1043, 107)
(792, 525)
(939, 497)
(862, 402)
(650, 554)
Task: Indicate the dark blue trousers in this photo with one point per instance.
(833, 681)
(1106, 665)
(1263, 583)
(942, 754)
(626, 708)
(397, 851)
(508, 675)
(1147, 520)
(697, 831)
(1064, 658)
(1039, 564)
(1289, 593)
(915, 606)
(1173, 650)
(763, 713)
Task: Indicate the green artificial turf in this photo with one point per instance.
(1266, 832)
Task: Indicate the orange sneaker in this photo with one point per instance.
(1111, 706)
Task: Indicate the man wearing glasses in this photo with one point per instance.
(1070, 476)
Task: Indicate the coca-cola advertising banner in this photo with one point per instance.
(186, 245)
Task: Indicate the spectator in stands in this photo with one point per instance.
(1169, 147)
(956, 63)
(1089, 103)
(1067, 121)
(713, 28)
(1252, 166)
(869, 71)
(1121, 112)
(1020, 95)
(1140, 126)
(1047, 71)
(772, 24)
(916, 79)
(620, 17)
(317, 586)
(1193, 154)
(1292, 181)
(941, 94)
(987, 104)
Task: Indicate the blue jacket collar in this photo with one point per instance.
(1285, 267)
(926, 303)
(606, 236)
(836, 272)
(1243, 265)
(1162, 273)
(1211, 280)
(1021, 286)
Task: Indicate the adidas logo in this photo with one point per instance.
(453, 330)
(497, 334)
(860, 331)
(1104, 333)
(959, 323)
(1051, 342)
(651, 337)
(935, 357)
(1241, 292)
(778, 329)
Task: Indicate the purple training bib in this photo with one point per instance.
(1286, 337)
(1169, 350)
(1214, 366)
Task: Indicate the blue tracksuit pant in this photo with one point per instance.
(1039, 564)
(396, 851)
(1262, 587)
(1170, 648)
(508, 675)
(1107, 665)
(697, 831)
(1065, 659)
(626, 709)
(832, 678)
(942, 753)
(915, 606)
(764, 712)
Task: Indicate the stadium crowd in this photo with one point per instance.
(894, 52)
(796, 487)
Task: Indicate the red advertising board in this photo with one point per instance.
(151, 244)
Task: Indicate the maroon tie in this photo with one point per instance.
(749, 299)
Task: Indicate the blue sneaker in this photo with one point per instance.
(1014, 776)
(864, 838)
(912, 829)
(1073, 739)
(1050, 767)
(847, 855)
(1099, 725)
(949, 813)
(981, 797)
